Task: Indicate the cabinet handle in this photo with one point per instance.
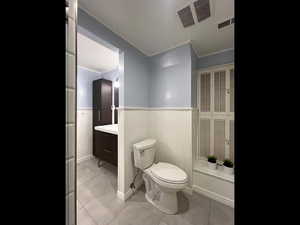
(106, 150)
(99, 115)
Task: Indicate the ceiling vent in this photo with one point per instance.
(202, 9)
(186, 16)
(225, 23)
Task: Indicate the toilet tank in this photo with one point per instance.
(144, 153)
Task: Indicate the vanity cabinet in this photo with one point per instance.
(106, 147)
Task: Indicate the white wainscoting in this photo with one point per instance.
(218, 189)
(84, 134)
(133, 128)
(176, 142)
(173, 131)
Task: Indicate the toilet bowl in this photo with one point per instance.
(162, 180)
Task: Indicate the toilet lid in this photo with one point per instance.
(169, 173)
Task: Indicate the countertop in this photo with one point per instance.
(111, 128)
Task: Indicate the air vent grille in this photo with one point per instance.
(225, 23)
(186, 16)
(202, 9)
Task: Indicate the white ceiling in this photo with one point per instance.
(153, 26)
(92, 55)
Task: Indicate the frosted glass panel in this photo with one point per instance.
(205, 92)
(220, 88)
(219, 139)
(204, 137)
(231, 140)
(231, 90)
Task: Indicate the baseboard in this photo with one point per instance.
(188, 190)
(214, 196)
(130, 192)
(79, 160)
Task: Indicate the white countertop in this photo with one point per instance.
(111, 128)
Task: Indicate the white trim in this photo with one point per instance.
(200, 167)
(84, 158)
(214, 196)
(198, 56)
(109, 28)
(210, 69)
(157, 108)
(130, 192)
(188, 190)
(216, 52)
(91, 70)
(171, 48)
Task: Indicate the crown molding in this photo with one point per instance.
(216, 52)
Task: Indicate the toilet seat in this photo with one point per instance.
(168, 173)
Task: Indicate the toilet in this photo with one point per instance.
(162, 180)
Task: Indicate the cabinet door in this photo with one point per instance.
(106, 116)
(96, 94)
(116, 103)
(231, 140)
(219, 138)
(205, 88)
(105, 147)
(220, 91)
(204, 138)
(106, 94)
(231, 74)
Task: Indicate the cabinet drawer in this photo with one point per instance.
(106, 147)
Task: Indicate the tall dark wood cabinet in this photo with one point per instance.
(105, 145)
(102, 102)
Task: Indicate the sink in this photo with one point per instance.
(110, 128)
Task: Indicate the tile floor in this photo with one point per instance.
(97, 203)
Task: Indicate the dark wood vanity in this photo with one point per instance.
(105, 145)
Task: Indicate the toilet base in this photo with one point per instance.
(169, 202)
(163, 199)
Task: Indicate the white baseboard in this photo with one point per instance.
(214, 196)
(130, 192)
(84, 158)
(188, 190)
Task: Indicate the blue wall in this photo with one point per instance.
(85, 87)
(170, 78)
(164, 80)
(135, 79)
(194, 61)
(216, 59)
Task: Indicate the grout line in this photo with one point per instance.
(209, 211)
(87, 212)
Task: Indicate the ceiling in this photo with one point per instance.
(92, 55)
(153, 26)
